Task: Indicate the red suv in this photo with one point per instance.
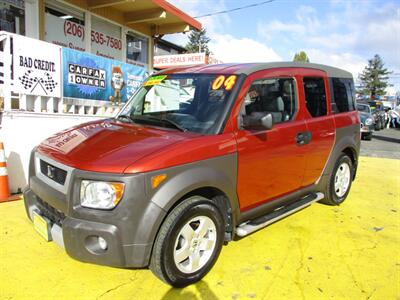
(198, 156)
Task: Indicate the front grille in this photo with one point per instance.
(52, 172)
(50, 212)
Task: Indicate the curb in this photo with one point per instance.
(12, 198)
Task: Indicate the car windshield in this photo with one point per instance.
(363, 108)
(186, 102)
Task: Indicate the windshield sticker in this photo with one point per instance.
(221, 81)
(153, 80)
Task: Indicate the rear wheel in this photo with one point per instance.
(367, 136)
(188, 243)
(339, 184)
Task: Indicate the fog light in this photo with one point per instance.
(102, 243)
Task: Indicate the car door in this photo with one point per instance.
(271, 162)
(320, 122)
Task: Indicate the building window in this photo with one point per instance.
(137, 50)
(315, 96)
(12, 16)
(64, 26)
(106, 39)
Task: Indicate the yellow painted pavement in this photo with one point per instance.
(322, 252)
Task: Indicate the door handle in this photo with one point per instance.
(303, 138)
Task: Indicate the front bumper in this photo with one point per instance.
(367, 129)
(129, 229)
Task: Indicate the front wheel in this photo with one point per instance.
(188, 243)
(340, 181)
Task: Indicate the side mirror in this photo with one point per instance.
(258, 121)
(267, 121)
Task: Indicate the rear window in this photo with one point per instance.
(314, 92)
(342, 94)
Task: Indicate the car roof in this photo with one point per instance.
(248, 68)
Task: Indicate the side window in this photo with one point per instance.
(342, 96)
(314, 91)
(351, 93)
(273, 95)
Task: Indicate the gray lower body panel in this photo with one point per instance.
(80, 237)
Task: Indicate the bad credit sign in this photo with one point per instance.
(165, 61)
(37, 67)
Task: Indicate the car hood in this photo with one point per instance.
(107, 146)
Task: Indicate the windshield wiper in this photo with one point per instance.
(174, 124)
(125, 117)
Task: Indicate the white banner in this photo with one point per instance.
(165, 61)
(37, 67)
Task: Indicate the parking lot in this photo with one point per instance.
(384, 143)
(322, 252)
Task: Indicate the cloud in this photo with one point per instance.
(347, 61)
(348, 34)
(268, 30)
(214, 25)
(224, 46)
(230, 49)
(342, 33)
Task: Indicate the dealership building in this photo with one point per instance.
(67, 62)
(118, 29)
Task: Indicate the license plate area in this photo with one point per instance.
(42, 225)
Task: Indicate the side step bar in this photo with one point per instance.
(253, 225)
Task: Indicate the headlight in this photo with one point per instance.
(369, 121)
(100, 194)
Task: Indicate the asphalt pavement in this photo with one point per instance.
(385, 143)
(322, 252)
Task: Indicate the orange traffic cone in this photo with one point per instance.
(4, 189)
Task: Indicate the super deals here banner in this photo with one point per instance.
(87, 76)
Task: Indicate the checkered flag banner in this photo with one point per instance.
(49, 84)
(29, 82)
(26, 80)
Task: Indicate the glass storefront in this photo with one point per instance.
(64, 27)
(12, 16)
(137, 50)
(106, 39)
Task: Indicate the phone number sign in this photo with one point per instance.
(105, 45)
(70, 34)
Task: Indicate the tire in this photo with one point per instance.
(336, 192)
(368, 136)
(182, 229)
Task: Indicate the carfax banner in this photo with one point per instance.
(87, 76)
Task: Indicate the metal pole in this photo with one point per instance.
(7, 73)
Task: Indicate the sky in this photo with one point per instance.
(340, 33)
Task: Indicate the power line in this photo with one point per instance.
(235, 9)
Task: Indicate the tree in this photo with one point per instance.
(198, 42)
(373, 78)
(301, 56)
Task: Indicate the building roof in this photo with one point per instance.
(151, 17)
(168, 44)
(247, 68)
